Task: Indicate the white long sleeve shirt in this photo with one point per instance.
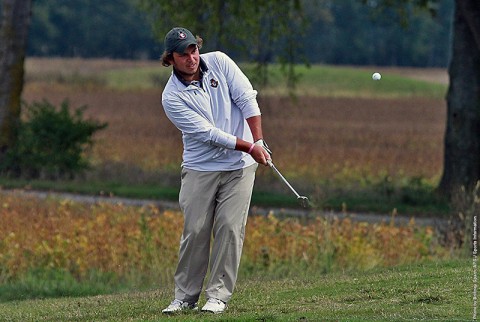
(213, 115)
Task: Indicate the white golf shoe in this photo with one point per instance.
(214, 306)
(178, 306)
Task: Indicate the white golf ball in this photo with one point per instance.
(376, 76)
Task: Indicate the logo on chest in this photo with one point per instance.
(214, 83)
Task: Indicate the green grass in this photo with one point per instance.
(136, 191)
(41, 283)
(144, 191)
(407, 197)
(419, 200)
(137, 78)
(318, 80)
(426, 291)
(322, 80)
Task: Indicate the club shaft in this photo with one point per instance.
(270, 163)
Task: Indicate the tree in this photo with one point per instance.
(14, 22)
(90, 28)
(250, 27)
(338, 32)
(462, 137)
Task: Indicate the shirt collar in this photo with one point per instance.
(203, 69)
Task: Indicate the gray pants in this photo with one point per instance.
(212, 203)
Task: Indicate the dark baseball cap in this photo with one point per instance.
(178, 39)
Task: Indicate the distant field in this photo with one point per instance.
(342, 126)
(317, 80)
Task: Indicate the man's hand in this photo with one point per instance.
(260, 155)
(258, 150)
(264, 145)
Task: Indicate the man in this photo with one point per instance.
(213, 104)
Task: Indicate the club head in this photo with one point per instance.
(303, 201)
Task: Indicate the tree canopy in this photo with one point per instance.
(321, 31)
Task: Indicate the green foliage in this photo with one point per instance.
(265, 25)
(51, 143)
(404, 8)
(372, 34)
(334, 32)
(90, 28)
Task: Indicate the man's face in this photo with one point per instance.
(188, 62)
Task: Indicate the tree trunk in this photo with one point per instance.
(14, 22)
(462, 137)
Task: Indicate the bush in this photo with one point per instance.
(51, 143)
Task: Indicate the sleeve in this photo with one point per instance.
(241, 90)
(194, 125)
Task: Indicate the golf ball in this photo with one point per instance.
(376, 76)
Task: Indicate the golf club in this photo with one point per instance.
(302, 199)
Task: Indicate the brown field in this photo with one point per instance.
(313, 138)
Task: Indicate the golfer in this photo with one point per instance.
(213, 104)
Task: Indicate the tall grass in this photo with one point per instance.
(138, 246)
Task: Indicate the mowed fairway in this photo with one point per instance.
(428, 292)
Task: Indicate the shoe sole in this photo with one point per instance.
(180, 311)
(215, 312)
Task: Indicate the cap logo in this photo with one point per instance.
(182, 35)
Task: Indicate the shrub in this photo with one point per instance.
(51, 143)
